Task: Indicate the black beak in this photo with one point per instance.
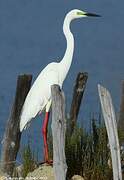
(93, 15)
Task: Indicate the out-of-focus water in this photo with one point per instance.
(31, 37)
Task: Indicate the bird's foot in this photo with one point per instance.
(49, 162)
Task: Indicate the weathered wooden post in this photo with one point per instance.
(12, 135)
(58, 133)
(111, 126)
(78, 92)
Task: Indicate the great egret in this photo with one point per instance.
(39, 96)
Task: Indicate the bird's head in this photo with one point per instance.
(76, 13)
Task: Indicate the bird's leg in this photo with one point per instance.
(44, 132)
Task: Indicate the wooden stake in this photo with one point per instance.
(111, 126)
(78, 92)
(12, 135)
(58, 133)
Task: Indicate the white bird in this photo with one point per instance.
(39, 96)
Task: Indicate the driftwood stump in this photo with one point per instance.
(78, 92)
(111, 126)
(58, 133)
(12, 135)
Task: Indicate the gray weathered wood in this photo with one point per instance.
(78, 92)
(12, 135)
(58, 133)
(111, 126)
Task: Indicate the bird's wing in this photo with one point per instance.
(39, 95)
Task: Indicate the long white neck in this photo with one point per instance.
(67, 59)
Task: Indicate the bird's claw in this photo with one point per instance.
(49, 162)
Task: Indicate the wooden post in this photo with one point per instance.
(12, 135)
(78, 92)
(58, 133)
(111, 126)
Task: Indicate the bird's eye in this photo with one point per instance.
(80, 13)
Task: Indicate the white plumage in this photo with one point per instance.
(54, 73)
(39, 94)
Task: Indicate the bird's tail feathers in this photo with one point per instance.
(24, 122)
